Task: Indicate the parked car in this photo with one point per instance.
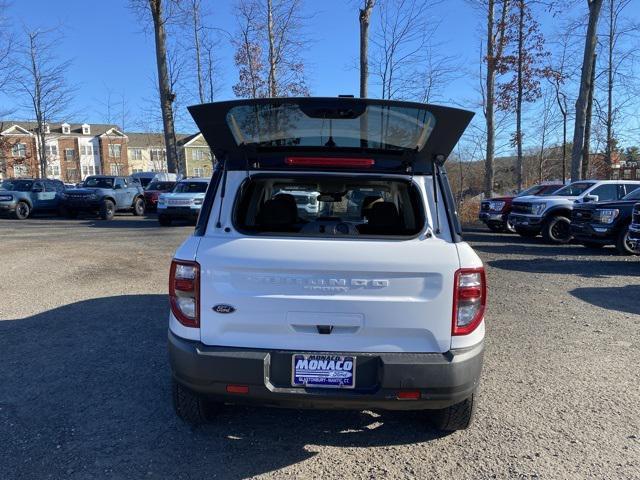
(104, 195)
(145, 178)
(551, 216)
(634, 229)
(183, 202)
(598, 224)
(382, 312)
(153, 192)
(494, 212)
(20, 197)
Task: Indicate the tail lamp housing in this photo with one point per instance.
(469, 300)
(184, 292)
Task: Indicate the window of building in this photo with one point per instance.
(626, 174)
(66, 128)
(19, 150)
(200, 154)
(137, 170)
(136, 153)
(72, 174)
(52, 150)
(158, 154)
(69, 153)
(88, 170)
(20, 171)
(54, 170)
(86, 129)
(197, 172)
(115, 150)
(116, 168)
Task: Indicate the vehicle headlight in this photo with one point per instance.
(161, 200)
(606, 215)
(6, 198)
(496, 206)
(538, 208)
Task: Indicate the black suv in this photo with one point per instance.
(105, 194)
(598, 224)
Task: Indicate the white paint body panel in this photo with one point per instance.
(378, 295)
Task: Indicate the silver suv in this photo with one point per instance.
(20, 197)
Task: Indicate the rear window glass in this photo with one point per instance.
(329, 206)
(376, 126)
(190, 187)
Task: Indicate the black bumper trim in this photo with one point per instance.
(443, 379)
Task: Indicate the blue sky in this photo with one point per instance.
(110, 50)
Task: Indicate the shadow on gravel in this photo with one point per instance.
(582, 268)
(85, 393)
(623, 299)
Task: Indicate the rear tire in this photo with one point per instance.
(22, 211)
(107, 210)
(191, 407)
(557, 230)
(622, 243)
(526, 233)
(164, 220)
(455, 417)
(138, 207)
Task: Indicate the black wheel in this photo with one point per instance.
(557, 230)
(107, 210)
(164, 220)
(191, 407)
(526, 233)
(495, 227)
(592, 244)
(23, 210)
(138, 207)
(509, 226)
(455, 417)
(622, 243)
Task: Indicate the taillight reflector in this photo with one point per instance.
(344, 162)
(237, 389)
(408, 395)
(184, 292)
(469, 300)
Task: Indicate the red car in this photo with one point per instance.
(494, 212)
(153, 191)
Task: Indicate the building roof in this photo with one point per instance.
(56, 128)
(145, 140)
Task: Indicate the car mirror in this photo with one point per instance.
(591, 198)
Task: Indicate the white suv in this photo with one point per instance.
(383, 308)
(551, 215)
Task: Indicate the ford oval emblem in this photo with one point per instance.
(223, 309)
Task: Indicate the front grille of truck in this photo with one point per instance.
(521, 208)
(581, 216)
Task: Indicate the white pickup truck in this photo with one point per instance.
(382, 308)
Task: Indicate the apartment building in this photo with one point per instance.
(196, 156)
(73, 151)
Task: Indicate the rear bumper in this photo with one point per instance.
(442, 379)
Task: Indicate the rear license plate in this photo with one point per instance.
(179, 202)
(323, 371)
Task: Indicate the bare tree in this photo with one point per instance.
(6, 48)
(41, 82)
(365, 19)
(496, 40)
(160, 13)
(403, 36)
(525, 61)
(585, 85)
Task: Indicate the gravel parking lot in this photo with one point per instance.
(84, 379)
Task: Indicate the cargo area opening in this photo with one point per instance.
(329, 206)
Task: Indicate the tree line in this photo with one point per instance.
(550, 99)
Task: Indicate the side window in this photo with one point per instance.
(606, 192)
(120, 181)
(630, 187)
(37, 186)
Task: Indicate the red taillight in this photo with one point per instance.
(408, 395)
(469, 300)
(344, 162)
(184, 292)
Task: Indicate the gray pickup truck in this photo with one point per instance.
(105, 195)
